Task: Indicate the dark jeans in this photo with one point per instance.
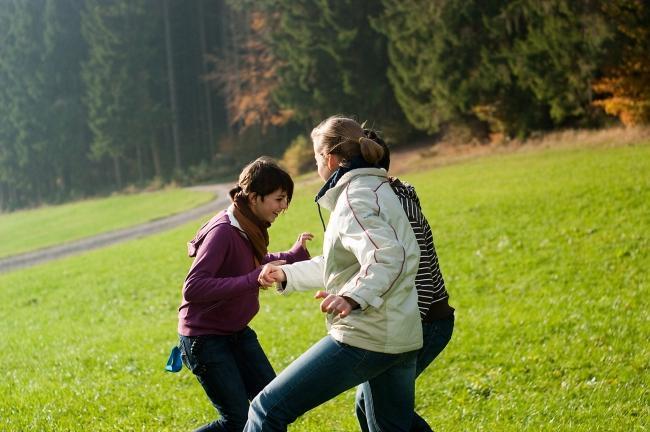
(436, 335)
(232, 369)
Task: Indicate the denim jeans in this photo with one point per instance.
(232, 369)
(329, 368)
(436, 335)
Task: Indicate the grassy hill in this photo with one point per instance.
(545, 254)
(28, 230)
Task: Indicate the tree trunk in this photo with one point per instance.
(2, 198)
(234, 55)
(155, 156)
(206, 87)
(226, 18)
(138, 155)
(172, 87)
(118, 172)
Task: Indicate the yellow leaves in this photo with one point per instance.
(628, 96)
(625, 87)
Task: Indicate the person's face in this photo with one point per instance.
(326, 163)
(268, 208)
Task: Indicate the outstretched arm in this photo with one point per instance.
(298, 251)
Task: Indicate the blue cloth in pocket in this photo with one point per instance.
(174, 363)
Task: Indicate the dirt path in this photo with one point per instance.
(59, 251)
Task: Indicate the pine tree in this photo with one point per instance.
(331, 61)
(118, 77)
(555, 51)
(24, 138)
(518, 65)
(65, 115)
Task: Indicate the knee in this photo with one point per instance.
(266, 413)
(256, 415)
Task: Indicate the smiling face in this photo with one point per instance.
(269, 207)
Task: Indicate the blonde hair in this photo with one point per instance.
(344, 137)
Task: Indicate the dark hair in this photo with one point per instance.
(344, 137)
(262, 176)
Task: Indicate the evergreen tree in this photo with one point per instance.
(555, 49)
(65, 115)
(24, 143)
(435, 56)
(118, 79)
(518, 65)
(8, 156)
(329, 61)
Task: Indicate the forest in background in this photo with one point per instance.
(101, 95)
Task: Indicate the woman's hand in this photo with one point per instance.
(304, 238)
(336, 304)
(271, 273)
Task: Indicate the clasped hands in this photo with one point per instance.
(272, 273)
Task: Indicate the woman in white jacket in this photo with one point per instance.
(369, 262)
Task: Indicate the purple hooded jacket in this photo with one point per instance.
(221, 292)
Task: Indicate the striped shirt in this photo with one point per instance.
(428, 281)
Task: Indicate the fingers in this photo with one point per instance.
(270, 274)
(334, 304)
(304, 238)
(277, 262)
(277, 275)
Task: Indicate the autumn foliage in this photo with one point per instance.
(248, 77)
(624, 90)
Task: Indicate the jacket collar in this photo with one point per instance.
(357, 162)
(330, 196)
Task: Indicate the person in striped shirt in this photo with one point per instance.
(433, 299)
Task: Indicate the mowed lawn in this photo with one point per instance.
(545, 253)
(28, 230)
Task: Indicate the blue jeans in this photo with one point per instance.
(329, 368)
(436, 335)
(232, 369)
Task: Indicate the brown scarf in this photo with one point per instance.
(255, 229)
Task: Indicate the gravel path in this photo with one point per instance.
(54, 252)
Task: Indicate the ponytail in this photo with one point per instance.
(370, 150)
(345, 137)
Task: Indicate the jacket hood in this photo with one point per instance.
(194, 244)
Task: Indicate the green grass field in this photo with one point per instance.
(25, 231)
(545, 254)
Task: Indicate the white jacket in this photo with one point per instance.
(370, 254)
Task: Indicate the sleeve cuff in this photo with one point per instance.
(281, 288)
(364, 301)
(253, 276)
(299, 253)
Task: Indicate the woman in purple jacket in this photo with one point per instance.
(220, 294)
